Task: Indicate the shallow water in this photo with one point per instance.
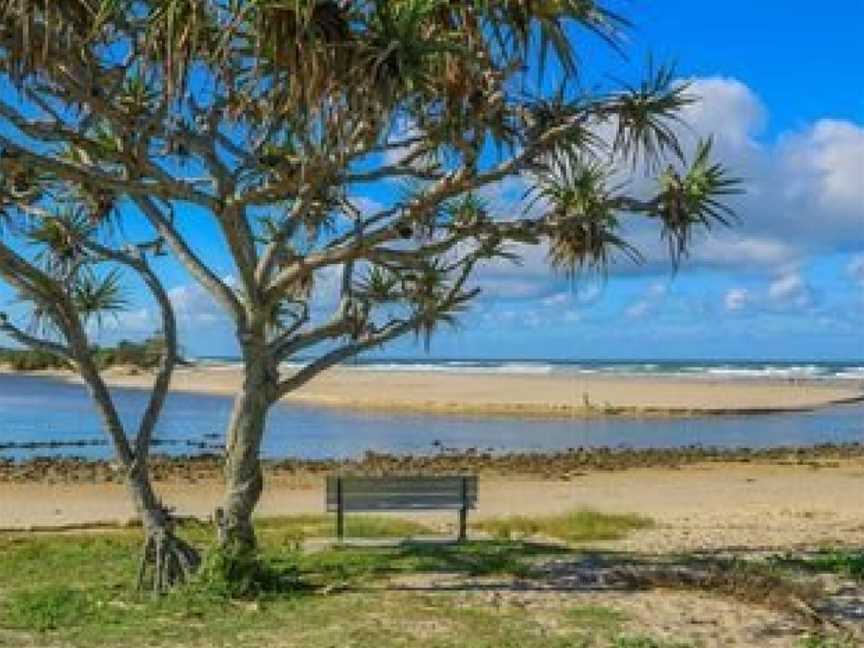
(43, 410)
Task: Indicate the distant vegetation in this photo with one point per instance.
(27, 360)
(141, 355)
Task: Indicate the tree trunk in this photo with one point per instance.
(166, 559)
(243, 477)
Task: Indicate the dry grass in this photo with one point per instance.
(577, 526)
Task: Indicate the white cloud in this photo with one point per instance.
(743, 253)
(787, 291)
(790, 290)
(650, 301)
(728, 108)
(195, 307)
(366, 205)
(804, 196)
(736, 299)
(855, 269)
(637, 310)
(131, 323)
(826, 161)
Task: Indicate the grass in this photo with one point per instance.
(596, 616)
(844, 563)
(48, 608)
(816, 641)
(78, 591)
(296, 528)
(648, 642)
(576, 527)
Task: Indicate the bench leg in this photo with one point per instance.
(463, 524)
(340, 525)
(340, 511)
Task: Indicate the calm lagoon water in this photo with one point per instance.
(42, 410)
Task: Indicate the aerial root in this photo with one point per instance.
(166, 561)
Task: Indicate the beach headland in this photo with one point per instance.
(523, 395)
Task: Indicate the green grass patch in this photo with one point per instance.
(649, 642)
(296, 528)
(845, 563)
(353, 565)
(49, 607)
(79, 590)
(595, 617)
(818, 641)
(578, 526)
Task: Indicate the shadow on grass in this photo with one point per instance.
(353, 567)
(841, 562)
(519, 566)
(283, 577)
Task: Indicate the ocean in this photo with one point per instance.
(45, 417)
(707, 369)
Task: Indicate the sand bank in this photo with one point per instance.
(528, 395)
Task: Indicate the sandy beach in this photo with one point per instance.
(698, 507)
(771, 501)
(525, 394)
(715, 510)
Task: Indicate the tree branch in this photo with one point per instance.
(162, 382)
(304, 375)
(33, 342)
(206, 277)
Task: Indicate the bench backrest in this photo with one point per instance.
(401, 493)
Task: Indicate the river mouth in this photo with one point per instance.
(40, 417)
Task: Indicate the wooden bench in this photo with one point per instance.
(418, 493)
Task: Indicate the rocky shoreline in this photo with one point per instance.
(554, 465)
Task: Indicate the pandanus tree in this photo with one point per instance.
(278, 119)
(67, 290)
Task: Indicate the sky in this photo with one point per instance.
(782, 92)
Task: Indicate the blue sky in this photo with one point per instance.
(782, 87)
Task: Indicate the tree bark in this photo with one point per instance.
(243, 476)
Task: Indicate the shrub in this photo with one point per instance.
(238, 573)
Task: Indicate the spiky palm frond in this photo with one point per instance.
(300, 47)
(520, 24)
(541, 114)
(95, 297)
(379, 286)
(19, 181)
(178, 32)
(403, 52)
(581, 222)
(59, 239)
(694, 199)
(428, 292)
(285, 313)
(99, 203)
(467, 212)
(646, 116)
(41, 26)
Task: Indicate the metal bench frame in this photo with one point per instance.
(401, 493)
